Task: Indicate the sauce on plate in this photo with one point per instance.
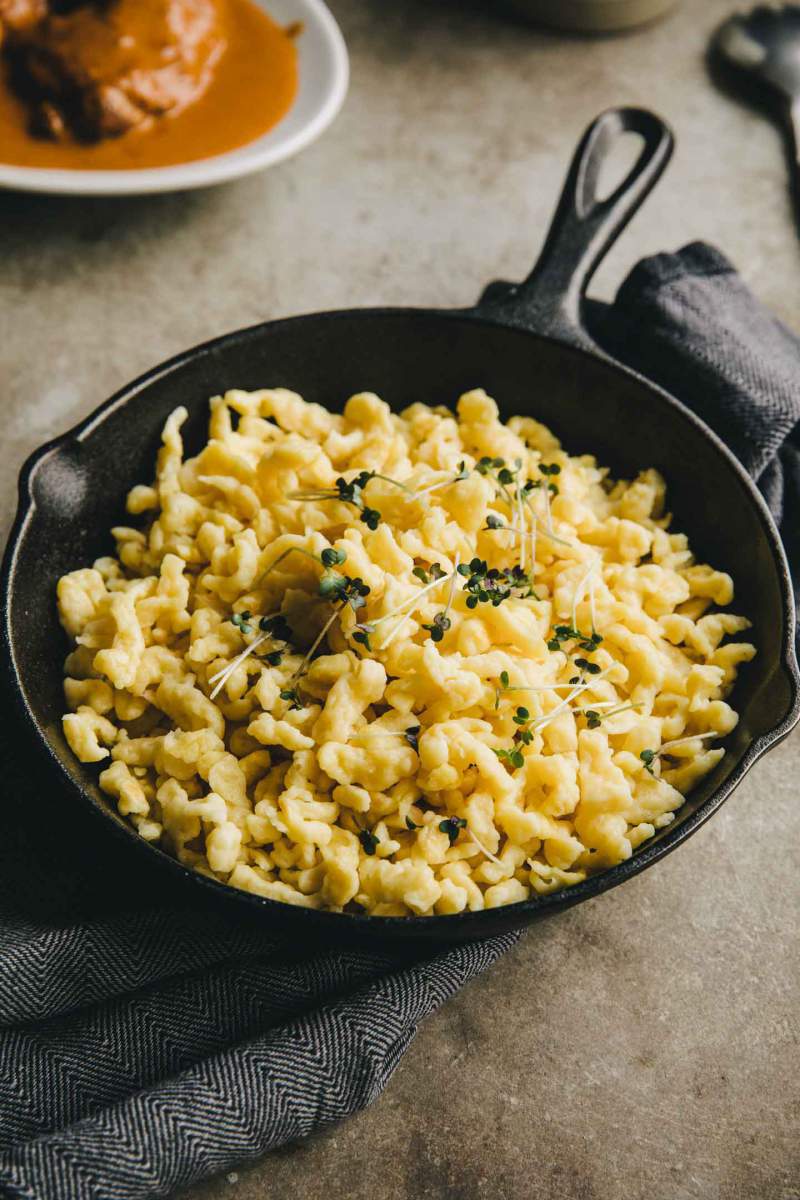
(253, 85)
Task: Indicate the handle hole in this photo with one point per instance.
(618, 160)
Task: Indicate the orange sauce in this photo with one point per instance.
(254, 85)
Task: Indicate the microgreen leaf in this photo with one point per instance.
(412, 736)
(333, 586)
(371, 517)
(440, 626)
(452, 827)
(277, 628)
(242, 621)
(362, 635)
(332, 557)
(513, 756)
(648, 757)
(369, 841)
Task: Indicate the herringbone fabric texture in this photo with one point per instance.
(144, 1044)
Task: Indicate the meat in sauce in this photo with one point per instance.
(95, 69)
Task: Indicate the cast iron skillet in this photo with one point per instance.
(528, 347)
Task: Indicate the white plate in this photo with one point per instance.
(323, 71)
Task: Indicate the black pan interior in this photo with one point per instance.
(79, 490)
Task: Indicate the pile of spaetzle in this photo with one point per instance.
(404, 664)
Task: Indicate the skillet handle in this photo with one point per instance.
(584, 228)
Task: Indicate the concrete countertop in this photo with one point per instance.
(644, 1045)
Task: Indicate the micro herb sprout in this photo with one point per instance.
(492, 585)
(433, 573)
(442, 622)
(411, 602)
(439, 627)
(341, 588)
(501, 474)
(512, 756)
(291, 696)
(362, 634)
(595, 718)
(317, 558)
(549, 470)
(412, 736)
(351, 491)
(527, 726)
(276, 627)
(587, 642)
(463, 472)
(648, 757)
(352, 592)
(452, 826)
(546, 486)
(272, 627)
(242, 621)
(369, 841)
(504, 685)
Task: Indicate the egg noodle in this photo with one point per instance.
(405, 664)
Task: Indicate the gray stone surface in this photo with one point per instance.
(644, 1045)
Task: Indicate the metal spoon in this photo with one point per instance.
(763, 48)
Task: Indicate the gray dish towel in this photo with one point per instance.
(145, 1044)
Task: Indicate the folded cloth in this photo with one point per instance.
(688, 322)
(146, 1043)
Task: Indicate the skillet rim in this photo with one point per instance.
(436, 927)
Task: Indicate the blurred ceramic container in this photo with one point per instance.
(592, 15)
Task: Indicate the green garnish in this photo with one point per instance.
(277, 628)
(490, 585)
(333, 586)
(513, 756)
(412, 736)
(242, 621)
(452, 826)
(362, 635)
(350, 491)
(369, 841)
(430, 576)
(440, 626)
